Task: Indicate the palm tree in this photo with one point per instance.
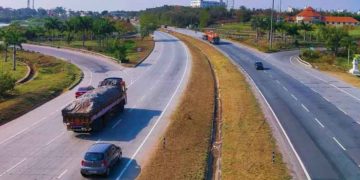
(83, 24)
(306, 28)
(5, 42)
(255, 25)
(102, 28)
(292, 30)
(53, 24)
(14, 37)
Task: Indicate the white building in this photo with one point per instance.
(290, 9)
(205, 4)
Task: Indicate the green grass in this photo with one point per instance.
(355, 32)
(53, 77)
(132, 45)
(239, 27)
(7, 67)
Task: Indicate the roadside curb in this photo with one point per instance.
(27, 75)
(151, 51)
(75, 83)
(304, 63)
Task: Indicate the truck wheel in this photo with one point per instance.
(122, 106)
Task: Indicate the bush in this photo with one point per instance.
(7, 83)
(310, 55)
(329, 59)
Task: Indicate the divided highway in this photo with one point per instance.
(318, 113)
(37, 145)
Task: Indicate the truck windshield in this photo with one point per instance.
(94, 156)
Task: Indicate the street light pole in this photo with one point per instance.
(271, 24)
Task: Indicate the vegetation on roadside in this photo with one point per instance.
(52, 77)
(187, 138)
(247, 139)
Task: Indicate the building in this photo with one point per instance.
(206, 4)
(310, 16)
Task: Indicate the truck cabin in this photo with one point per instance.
(113, 82)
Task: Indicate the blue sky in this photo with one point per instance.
(99, 5)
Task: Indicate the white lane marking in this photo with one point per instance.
(358, 122)
(98, 141)
(7, 139)
(116, 124)
(315, 90)
(293, 96)
(91, 75)
(161, 115)
(13, 167)
(306, 109)
(52, 140)
(342, 110)
(285, 88)
(270, 75)
(326, 99)
(62, 174)
(342, 147)
(349, 94)
(277, 81)
(321, 124)
(265, 72)
(345, 92)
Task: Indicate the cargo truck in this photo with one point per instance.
(88, 112)
(212, 37)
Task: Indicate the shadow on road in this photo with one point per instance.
(166, 40)
(123, 126)
(132, 171)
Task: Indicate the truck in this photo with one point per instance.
(89, 112)
(212, 37)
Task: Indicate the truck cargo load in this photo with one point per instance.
(87, 113)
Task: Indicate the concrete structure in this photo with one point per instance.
(309, 15)
(355, 69)
(206, 4)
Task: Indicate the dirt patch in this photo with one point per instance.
(187, 140)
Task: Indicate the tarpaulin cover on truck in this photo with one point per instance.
(93, 101)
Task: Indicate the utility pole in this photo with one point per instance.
(28, 4)
(33, 5)
(272, 24)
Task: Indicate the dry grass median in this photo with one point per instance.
(247, 138)
(188, 135)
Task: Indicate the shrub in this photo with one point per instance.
(7, 83)
(329, 59)
(310, 55)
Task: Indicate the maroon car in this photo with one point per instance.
(83, 90)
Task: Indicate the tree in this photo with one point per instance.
(256, 24)
(349, 43)
(53, 24)
(14, 36)
(83, 24)
(306, 28)
(292, 30)
(7, 83)
(102, 28)
(204, 18)
(148, 24)
(119, 50)
(332, 37)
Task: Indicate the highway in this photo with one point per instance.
(37, 145)
(318, 113)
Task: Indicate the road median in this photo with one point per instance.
(183, 151)
(248, 150)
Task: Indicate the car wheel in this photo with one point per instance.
(83, 174)
(107, 173)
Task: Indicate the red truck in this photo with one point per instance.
(212, 37)
(88, 112)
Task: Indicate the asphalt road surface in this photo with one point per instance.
(320, 114)
(37, 145)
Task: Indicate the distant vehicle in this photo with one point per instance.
(212, 37)
(100, 158)
(83, 90)
(88, 112)
(259, 66)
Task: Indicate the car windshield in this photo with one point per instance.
(85, 88)
(94, 156)
(258, 63)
